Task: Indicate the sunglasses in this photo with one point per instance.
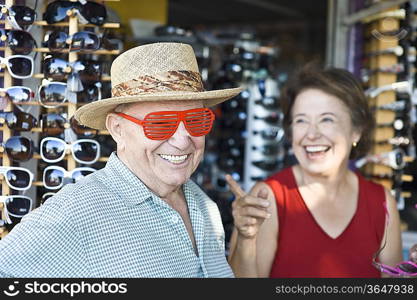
(86, 11)
(19, 121)
(52, 94)
(17, 94)
(402, 269)
(161, 125)
(46, 196)
(90, 93)
(270, 133)
(59, 69)
(17, 178)
(54, 176)
(267, 164)
(271, 149)
(270, 118)
(16, 206)
(19, 41)
(82, 40)
(19, 66)
(55, 124)
(268, 102)
(84, 151)
(19, 148)
(20, 17)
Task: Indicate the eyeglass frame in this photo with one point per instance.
(66, 173)
(71, 147)
(5, 61)
(6, 211)
(46, 83)
(385, 268)
(4, 169)
(5, 90)
(11, 16)
(180, 118)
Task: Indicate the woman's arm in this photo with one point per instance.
(254, 239)
(392, 253)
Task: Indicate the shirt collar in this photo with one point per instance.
(128, 186)
(132, 190)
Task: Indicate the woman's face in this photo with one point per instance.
(322, 132)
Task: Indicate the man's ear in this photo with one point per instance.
(115, 128)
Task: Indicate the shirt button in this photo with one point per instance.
(174, 219)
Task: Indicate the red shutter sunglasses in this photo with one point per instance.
(161, 125)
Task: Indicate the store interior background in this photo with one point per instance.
(257, 44)
(293, 33)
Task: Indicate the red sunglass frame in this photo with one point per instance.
(161, 125)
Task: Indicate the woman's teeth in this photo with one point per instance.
(315, 149)
(175, 159)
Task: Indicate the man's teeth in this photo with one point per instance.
(174, 158)
(317, 148)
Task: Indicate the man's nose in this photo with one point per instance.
(181, 137)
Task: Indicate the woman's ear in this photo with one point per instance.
(115, 127)
(357, 134)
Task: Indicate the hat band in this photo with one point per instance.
(171, 81)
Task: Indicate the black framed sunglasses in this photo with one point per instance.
(82, 40)
(16, 206)
(19, 121)
(59, 69)
(54, 124)
(19, 66)
(19, 41)
(87, 12)
(19, 148)
(20, 16)
(17, 178)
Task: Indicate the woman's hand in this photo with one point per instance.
(413, 253)
(249, 212)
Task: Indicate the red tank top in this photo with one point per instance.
(305, 250)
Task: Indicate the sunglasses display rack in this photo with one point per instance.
(73, 24)
(236, 145)
(388, 82)
(6, 133)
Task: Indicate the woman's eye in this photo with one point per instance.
(327, 120)
(299, 121)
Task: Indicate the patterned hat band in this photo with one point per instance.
(171, 81)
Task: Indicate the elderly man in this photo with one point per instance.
(141, 215)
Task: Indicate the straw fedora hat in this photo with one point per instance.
(153, 72)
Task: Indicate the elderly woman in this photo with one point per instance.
(141, 215)
(318, 218)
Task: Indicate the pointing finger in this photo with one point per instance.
(235, 187)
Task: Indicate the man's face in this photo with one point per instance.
(160, 164)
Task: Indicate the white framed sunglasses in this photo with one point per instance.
(54, 176)
(17, 178)
(84, 151)
(19, 66)
(16, 206)
(52, 93)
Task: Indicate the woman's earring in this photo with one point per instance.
(354, 144)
